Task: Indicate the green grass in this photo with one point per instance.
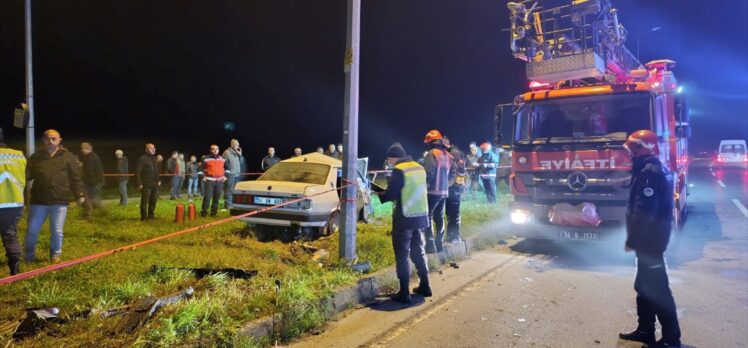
(221, 304)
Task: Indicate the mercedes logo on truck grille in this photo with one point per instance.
(577, 181)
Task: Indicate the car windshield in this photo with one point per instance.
(307, 173)
(591, 118)
(738, 149)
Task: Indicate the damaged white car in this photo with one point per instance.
(314, 176)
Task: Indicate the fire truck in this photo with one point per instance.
(587, 93)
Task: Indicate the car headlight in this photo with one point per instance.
(520, 217)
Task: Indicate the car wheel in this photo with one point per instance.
(333, 224)
(263, 234)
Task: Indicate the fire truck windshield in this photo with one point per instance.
(583, 119)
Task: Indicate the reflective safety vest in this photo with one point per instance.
(413, 194)
(12, 177)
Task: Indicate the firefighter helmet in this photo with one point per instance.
(641, 143)
(432, 135)
(486, 146)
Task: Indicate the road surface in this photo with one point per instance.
(576, 295)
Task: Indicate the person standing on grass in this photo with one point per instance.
(487, 164)
(440, 167)
(214, 169)
(172, 168)
(233, 157)
(12, 185)
(192, 178)
(148, 179)
(407, 189)
(182, 170)
(55, 177)
(123, 170)
(93, 178)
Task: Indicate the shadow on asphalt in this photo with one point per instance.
(578, 255)
(387, 305)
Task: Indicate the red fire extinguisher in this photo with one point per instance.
(191, 211)
(179, 218)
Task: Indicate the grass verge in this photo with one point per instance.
(290, 284)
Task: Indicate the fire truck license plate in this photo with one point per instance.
(268, 200)
(577, 235)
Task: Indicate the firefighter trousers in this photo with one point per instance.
(654, 300)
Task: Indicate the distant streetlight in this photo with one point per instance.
(638, 37)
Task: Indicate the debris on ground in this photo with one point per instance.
(36, 320)
(200, 273)
(320, 254)
(142, 310)
(453, 264)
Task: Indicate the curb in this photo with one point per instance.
(363, 292)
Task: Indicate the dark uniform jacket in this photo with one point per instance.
(457, 181)
(650, 208)
(268, 162)
(392, 194)
(147, 171)
(57, 178)
(123, 167)
(93, 172)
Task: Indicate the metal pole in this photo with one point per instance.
(30, 141)
(347, 247)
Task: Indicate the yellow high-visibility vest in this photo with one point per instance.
(413, 194)
(12, 178)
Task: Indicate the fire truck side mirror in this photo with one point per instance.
(503, 125)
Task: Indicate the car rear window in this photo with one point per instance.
(307, 173)
(733, 148)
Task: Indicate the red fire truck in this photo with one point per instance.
(587, 94)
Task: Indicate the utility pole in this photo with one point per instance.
(30, 141)
(347, 247)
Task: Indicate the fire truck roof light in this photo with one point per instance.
(536, 85)
(679, 90)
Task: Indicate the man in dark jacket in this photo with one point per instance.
(56, 179)
(407, 189)
(93, 178)
(123, 169)
(440, 167)
(648, 223)
(457, 184)
(148, 179)
(270, 160)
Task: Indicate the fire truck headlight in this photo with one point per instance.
(522, 160)
(520, 217)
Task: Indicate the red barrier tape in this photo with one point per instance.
(69, 263)
(167, 174)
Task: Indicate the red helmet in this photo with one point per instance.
(432, 135)
(485, 146)
(641, 143)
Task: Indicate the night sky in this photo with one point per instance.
(120, 73)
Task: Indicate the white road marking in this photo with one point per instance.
(721, 183)
(741, 207)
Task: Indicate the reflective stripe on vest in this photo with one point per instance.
(413, 194)
(12, 178)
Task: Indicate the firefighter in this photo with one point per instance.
(439, 166)
(457, 184)
(13, 169)
(486, 165)
(407, 189)
(648, 223)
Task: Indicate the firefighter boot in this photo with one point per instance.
(403, 296)
(14, 263)
(423, 289)
(638, 336)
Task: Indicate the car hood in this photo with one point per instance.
(280, 187)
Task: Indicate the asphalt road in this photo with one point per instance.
(577, 294)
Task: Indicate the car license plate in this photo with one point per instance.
(577, 235)
(268, 200)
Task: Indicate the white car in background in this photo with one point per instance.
(315, 176)
(732, 153)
